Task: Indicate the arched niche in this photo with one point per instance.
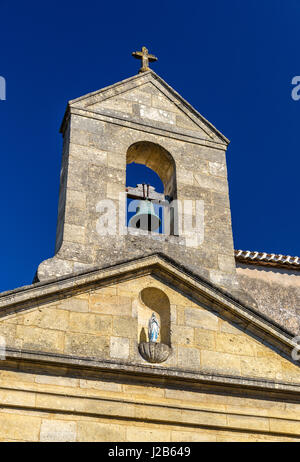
(153, 300)
(158, 159)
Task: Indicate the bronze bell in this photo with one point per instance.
(145, 217)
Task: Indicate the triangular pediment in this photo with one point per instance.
(96, 315)
(147, 98)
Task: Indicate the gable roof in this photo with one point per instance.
(85, 101)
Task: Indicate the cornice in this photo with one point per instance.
(183, 378)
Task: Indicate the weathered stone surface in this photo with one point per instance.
(189, 357)
(141, 434)
(19, 427)
(101, 432)
(48, 318)
(205, 339)
(201, 318)
(224, 363)
(119, 347)
(74, 304)
(124, 326)
(198, 436)
(36, 338)
(182, 335)
(236, 344)
(96, 150)
(57, 430)
(90, 323)
(111, 304)
(217, 169)
(87, 345)
(275, 292)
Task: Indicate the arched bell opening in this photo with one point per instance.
(151, 183)
(142, 182)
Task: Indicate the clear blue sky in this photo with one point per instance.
(233, 60)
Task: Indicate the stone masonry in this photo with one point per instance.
(72, 370)
(99, 132)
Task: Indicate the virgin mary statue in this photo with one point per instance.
(153, 328)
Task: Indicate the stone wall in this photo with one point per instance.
(104, 324)
(60, 397)
(274, 292)
(44, 407)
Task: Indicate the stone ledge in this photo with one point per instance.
(166, 375)
(141, 125)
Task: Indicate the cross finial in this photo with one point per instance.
(145, 58)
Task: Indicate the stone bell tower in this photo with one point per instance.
(142, 120)
(134, 335)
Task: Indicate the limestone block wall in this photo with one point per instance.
(45, 407)
(53, 401)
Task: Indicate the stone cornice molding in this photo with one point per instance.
(185, 379)
(156, 128)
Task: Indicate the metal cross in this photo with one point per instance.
(145, 58)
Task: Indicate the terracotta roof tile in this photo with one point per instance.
(263, 258)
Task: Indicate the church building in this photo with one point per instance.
(147, 324)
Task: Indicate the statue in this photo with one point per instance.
(153, 328)
(154, 351)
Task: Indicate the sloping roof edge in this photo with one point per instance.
(267, 259)
(164, 84)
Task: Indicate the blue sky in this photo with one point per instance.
(232, 60)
